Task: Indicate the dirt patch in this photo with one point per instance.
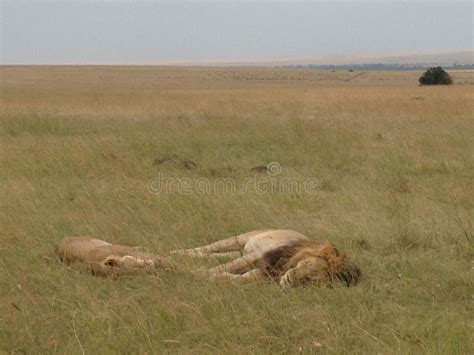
(174, 160)
(259, 169)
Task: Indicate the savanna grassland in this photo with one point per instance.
(394, 165)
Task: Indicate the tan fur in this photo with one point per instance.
(105, 259)
(285, 256)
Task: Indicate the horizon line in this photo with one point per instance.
(326, 59)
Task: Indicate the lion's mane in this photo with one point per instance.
(277, 262)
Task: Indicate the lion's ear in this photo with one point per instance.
(111, 261)
(329, 252)
(328, 249)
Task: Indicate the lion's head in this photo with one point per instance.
(308, 262)
(113, 265)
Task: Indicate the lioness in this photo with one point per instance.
(105, 259)
(285, 256)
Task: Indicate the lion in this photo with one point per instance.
(106, 259)
(284, 256)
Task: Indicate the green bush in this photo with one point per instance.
(435, 76)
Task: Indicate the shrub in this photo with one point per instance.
(435, 76)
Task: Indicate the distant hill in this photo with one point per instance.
(435, 58)
(462, 58)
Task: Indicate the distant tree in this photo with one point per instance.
(435, 76)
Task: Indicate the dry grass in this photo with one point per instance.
(395, 167)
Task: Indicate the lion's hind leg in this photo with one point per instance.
(221, 247)
(238, 266)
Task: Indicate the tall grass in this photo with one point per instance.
(394, 166)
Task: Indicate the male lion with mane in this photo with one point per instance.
(284, 256)
(106, 259)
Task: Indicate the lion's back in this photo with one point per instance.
(78, 248)
(270, 240)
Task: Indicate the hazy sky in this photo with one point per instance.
(153, 31)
